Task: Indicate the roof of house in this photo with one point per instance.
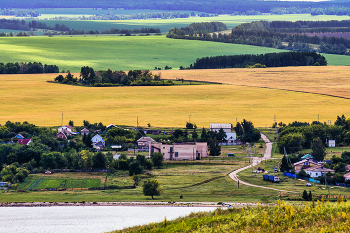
(307, 156)
(19, 136)
(347, 175)
(61, 133)
(305, 160)
(319, 168)
(219, 126)
(230, 136)
(146, 139)
(24, 141)
(84, 130)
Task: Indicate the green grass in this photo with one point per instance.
(115, 52)
(195, 181)
(308, 217)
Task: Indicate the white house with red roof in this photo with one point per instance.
(84, 131)
(61, 135)
(24, 141)
(66, 128)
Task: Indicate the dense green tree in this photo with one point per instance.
(318, 151)
(214, 147)
(157, 159)
(99, 160)
(305, 196)
(285, 165)
(151, 188)
(292, 142)
(135, 168)
(194, 135)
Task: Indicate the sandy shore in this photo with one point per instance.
(148, 204)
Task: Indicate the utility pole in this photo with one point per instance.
(137, 122)
(62, 119)
(189, 118)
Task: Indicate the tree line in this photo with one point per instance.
(261, 34)
(197, 28)
(27, 68)
(15, 24)
(21, 12)
(114, 78)
(267, 60)
(298, 135)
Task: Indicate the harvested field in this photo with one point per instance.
(30, 98)
(326, 80)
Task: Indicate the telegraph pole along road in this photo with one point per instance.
(256, 160)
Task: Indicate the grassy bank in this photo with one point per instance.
(311, 217)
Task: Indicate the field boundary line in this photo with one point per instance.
(283, 89)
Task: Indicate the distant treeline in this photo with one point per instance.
(272, 34)
(197, 28)
(27, 68)
(108, 77)
(20, 12)
(208, 6)
(268, 60)
(21, 25)
(111, 31)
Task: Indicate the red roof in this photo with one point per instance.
(24, 141)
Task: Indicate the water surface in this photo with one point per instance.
(85, 218)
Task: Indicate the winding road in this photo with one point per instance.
(256, 160)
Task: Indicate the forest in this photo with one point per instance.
(23, 26)
(27, 68)
(260, 61)
(278, 34)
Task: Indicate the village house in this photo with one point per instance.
(143, 142)
(180, 151)
(305, 163)
(84, 131)
(65, 128)
(317, 171)
(217, 127)
(347, 176)
(231, 139)
(61, 135)
(19, 136)
(24, 141)
(96, 139)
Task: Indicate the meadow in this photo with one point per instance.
(124, 53)
(195, 181)
(30, 98)
(116, 52)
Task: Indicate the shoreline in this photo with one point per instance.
(130, 204)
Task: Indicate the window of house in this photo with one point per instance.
(176, 154)
(316, 173)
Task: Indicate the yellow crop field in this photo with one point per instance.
(30, 98)
(327, 80)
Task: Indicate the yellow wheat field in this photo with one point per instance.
(30, 98)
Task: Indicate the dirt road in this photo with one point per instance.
(256, 160)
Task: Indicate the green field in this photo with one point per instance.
(123, 53)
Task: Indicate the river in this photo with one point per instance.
(85, 218)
